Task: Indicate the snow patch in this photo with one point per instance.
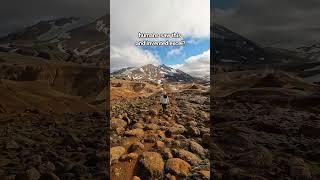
(61, 48)
(85, 52)
(313, 69)
(229, 61)
(54, 41)
(101, 27)
(59, 32)
(13, 50)
(96, 52)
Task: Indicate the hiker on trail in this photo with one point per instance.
(164, 101)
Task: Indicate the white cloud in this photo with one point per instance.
(175, 51)
(191, 18)
(131, 56)
(198, 65)
(193, 41)
(188, 17)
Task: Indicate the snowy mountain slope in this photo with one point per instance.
(65, 39)
(154, 73)
(230, 47)
(233, 49)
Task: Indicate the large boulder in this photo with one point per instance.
(152, 163)
(117, 123)
(256, 157)
(178, 167)
(136, 146)
(116, 153)
(135, 132)
(197, 148)
(71, 139)
(189, 157)
(32, 174)
(237, 140)
(193, 131)
(151, 126)
(204, 174)
(177, 129)
(166, 153)
(130, 156)
(299, 169)
(47, 167)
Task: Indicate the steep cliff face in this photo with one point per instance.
(86, 82)
(74, 79)
(36, 96)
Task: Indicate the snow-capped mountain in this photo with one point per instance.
(230, 47)
(65, 39)
(44, 31)
(154, 73)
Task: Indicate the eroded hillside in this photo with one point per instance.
(32, 82)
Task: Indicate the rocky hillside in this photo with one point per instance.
(265, 126)
(38, 145)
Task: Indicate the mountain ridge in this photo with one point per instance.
(234, 52)
(64, 39)
(154, 73)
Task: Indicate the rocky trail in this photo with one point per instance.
(49, 146)
(147, 144)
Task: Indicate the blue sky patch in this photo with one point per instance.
(171, 55)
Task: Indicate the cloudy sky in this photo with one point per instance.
(280, 23)
(191, 18)
(16, 14)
